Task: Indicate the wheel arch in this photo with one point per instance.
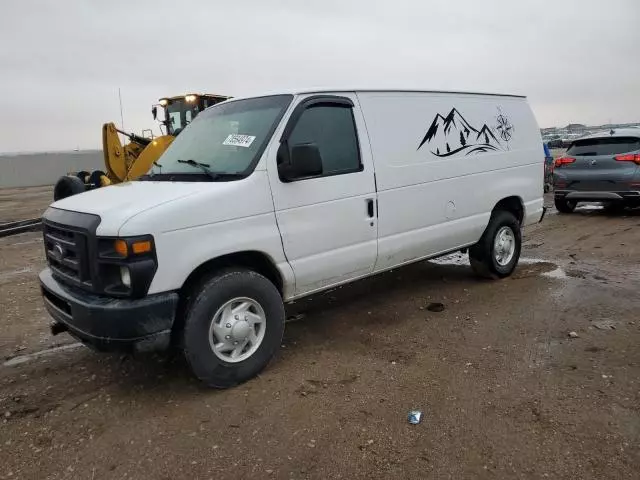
(254, 260)
(512, 204)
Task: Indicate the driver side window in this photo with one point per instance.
(332, 129)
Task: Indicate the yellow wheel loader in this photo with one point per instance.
(135, 158)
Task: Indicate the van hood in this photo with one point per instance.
(116, 204)
(155, 207)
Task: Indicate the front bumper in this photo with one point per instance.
(109, 324)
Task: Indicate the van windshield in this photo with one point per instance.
(226, 139)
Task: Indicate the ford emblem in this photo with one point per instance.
(57, 252)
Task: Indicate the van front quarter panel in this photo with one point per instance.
(228, 218)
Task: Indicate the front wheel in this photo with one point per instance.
(233, 326)
(496, 254)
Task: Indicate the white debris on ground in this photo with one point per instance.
(451, 259)
(557, 273)
(32, 356)
(604, 324)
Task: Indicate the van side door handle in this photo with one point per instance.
(370, 208)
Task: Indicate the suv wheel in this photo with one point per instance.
(496, 254)
(234, 325)
(565, 206)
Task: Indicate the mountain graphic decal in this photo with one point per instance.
(453, 134)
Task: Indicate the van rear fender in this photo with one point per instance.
(512, 204)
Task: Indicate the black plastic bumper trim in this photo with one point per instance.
(110, 323)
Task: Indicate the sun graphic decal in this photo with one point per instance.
(504, 127)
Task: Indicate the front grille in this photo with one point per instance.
(67, 253)
(70, 246)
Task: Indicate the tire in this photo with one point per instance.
(82, 175)
(67, 186)
(210, 298)
(483, 256)
(95, 179)
(565, 206)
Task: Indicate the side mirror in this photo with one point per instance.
(305, 161)
(154, 112)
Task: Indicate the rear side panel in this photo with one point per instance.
(442, 163)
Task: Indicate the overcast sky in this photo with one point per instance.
(62, 61)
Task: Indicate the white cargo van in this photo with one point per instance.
(263, 200)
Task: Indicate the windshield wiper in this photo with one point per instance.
(213, 175)
(202, 166)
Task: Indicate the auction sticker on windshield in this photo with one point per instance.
(237, 140)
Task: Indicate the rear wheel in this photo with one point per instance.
(234, 325)
(496, 254)
(565, 206)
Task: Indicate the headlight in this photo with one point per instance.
(190, 98)
(164, 102)
(126, 265)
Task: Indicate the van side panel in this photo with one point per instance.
(442, 163)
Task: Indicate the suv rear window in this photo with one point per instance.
(604, 146)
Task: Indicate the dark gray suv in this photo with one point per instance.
(602, 167)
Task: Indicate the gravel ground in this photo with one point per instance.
(504, 390)
(23, 203)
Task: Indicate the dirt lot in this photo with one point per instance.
(23, 203)
(504, 391)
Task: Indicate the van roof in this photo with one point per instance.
(301, 91)
(410, 90)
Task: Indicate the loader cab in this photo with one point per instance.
(181, 110)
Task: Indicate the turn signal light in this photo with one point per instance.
(564, 161)
(120, 246)
(136, 247)
(141, 247)
(629, 157)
